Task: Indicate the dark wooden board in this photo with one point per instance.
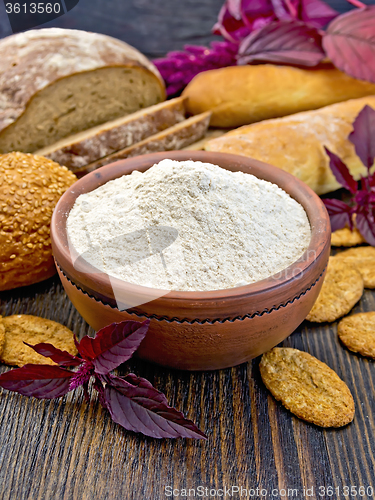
(67, 449)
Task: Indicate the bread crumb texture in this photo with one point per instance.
(307, 387)
(22, 328)
(29, 190)
(357, 332)
(342, 288)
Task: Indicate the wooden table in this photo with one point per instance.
(68, 449)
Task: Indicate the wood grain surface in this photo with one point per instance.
(68, 449)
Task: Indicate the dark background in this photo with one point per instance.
(152, 26)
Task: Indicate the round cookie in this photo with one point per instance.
(364, 259)
(307, 387)
(22, 328)
(346, 238)
(342, 288)
(29, 190)
(357, 332)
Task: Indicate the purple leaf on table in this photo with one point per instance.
(363, 136)
(365, 222)
(341, 172)
(113, 345)
(349, 43)
(291, 42)
(62, 358)
(340, 214)
(39, 381)
(136, 405)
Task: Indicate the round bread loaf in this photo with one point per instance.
(29, 190)
(57, 82)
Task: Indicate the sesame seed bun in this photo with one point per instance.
(30, 187)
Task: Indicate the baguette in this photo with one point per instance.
(176, 137)
(57, 82)
(296, 143)
(239, 95)
(86, 147)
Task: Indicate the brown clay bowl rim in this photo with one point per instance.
(289, 286)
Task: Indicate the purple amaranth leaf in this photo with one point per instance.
(341, 172)
(234, 7)
(350, 43)
(317, 13)
(255, 9)
(229, 27)
(39, 381)
(62, 358)
(340, 214)
(291, 42)
(82, 376)
(365, 222)
(284, 10)
(113, 345)
(178, 68)
(136, 405)
(363, 136)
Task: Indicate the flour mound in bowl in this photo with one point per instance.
(189, 226)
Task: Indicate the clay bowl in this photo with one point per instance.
(199, 330)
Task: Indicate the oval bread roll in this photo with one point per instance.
(239, 95)
(29, 190)
(57, 82)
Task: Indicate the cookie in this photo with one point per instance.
(346, 238)
(307, 387)
(341, 290)
(2, 335)
(364, 259)
(33, 330)
(357, 332)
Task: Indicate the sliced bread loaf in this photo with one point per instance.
(57, 82)
(176, 137)
(86, 147)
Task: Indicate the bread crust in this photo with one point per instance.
(296, 143)
(33, 60)
(239, 95)
(175, 137)
(81, 149)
